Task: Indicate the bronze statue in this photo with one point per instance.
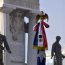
(3, 40)
(56, 52)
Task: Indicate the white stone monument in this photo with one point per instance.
(12, 13)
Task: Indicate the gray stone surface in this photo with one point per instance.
(24, 3)
(32, 54)
(17, 47)
(17, 57)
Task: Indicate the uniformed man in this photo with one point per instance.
(3, 40)
(56, 52)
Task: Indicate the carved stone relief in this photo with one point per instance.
(16, 23)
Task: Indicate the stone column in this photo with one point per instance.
(2, 22)
(32, 54)
(15, 36)
(2, 26)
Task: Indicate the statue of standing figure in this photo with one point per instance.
(40, 39)
(56, 52)
(3, 40)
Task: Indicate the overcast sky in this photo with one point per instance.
(56, 12)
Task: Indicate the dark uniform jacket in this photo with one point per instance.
(3, 40)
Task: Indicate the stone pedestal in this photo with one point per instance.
(17, 57)
(12, 15)
(15, 36)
